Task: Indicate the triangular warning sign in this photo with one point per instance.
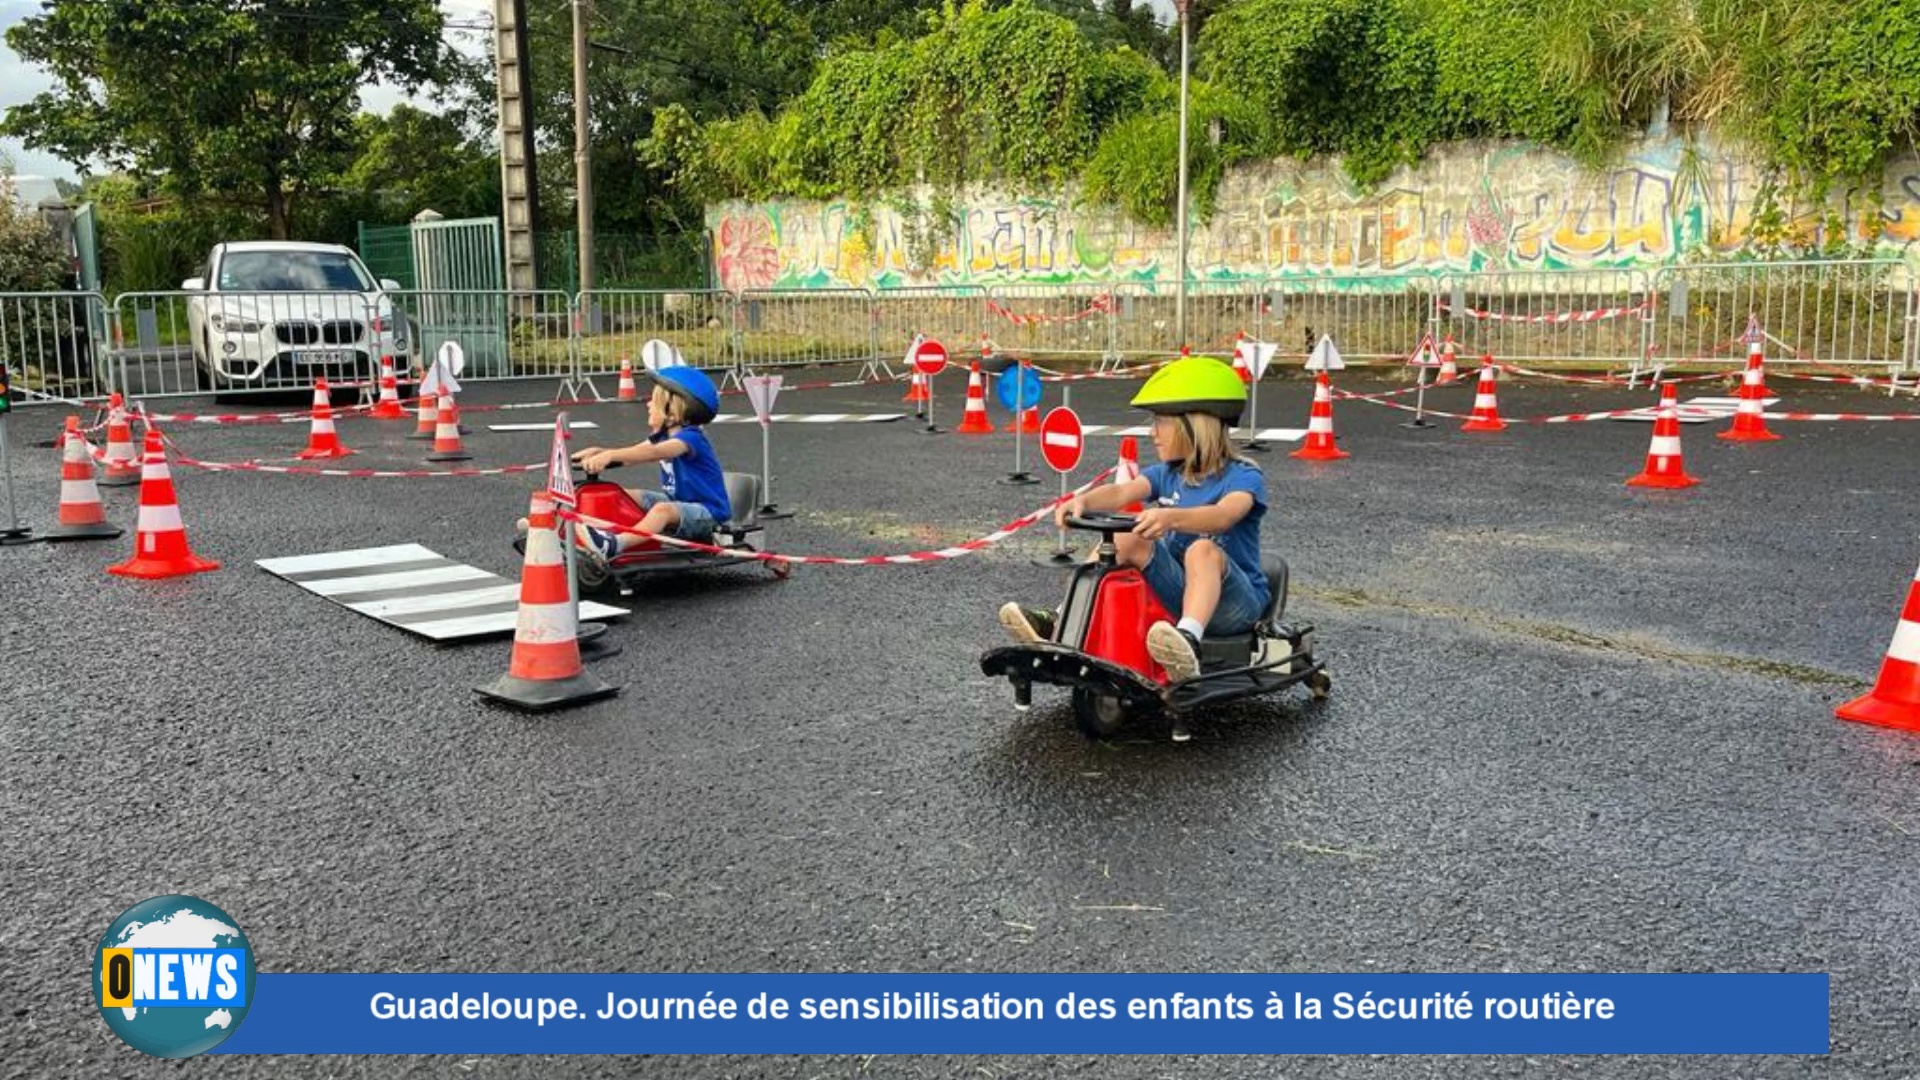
(1326, 356)
(1423, 354)
(761, 391)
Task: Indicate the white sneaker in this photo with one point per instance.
(1173, 650)
(1026, 626)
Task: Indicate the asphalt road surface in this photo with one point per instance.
(1575, 727)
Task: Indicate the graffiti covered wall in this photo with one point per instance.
(1473, 206)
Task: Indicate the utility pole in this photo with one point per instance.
(519, 185)
(582, 152)
(1180, 288)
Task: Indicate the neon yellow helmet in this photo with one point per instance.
(1194, 384)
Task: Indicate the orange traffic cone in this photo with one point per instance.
(1486, 402)
(446, 434)
(628, 392)
(322, 442)
(546, 671)
(159, 539)
(1240, 367)
(975, 421)
(1128, 468)
(1749, 422)
(82, 516)
(1894, 700)
(427, 417)
(1664, 468)
(1320, 445)
(1449, 370)
(1756, 354)
(388, 407)
(122, 463)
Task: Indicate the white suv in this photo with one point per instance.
(272, 314)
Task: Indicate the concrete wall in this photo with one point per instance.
(1471, 206)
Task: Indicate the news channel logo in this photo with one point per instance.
(174, 975)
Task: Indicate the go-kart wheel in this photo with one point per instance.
(589, 574)
(780, 568)
(1320, 685)
(1100, 716)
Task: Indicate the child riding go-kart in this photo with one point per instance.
(1193, 548)
(697, 501)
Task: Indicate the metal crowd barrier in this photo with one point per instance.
(1836, 313)
(503, 334)
(56, 344)
(168, 344)
(1566, 316)
(617, 324)
(777, 328)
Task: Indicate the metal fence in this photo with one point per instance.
(1840, 313)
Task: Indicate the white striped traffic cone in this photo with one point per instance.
(546, 671)
(159, 540)
(1449, 370)
(446, 434)
(428, 416)
(322, 441)
(82, 515)
(1128, 467)
(1486, 401)
(1750, 422)
(1320, 445)
(1664, 468)
(122, 461)
(975, 421)
(1894, 701)
(628, 391)
(388, 407)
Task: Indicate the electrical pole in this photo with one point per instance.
(1180, 288)
(582, 151)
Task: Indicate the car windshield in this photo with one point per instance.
(291, 271)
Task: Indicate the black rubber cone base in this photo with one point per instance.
(546, 694)
(102, 531)
(594, 642)
(450, 455)
(772, 512)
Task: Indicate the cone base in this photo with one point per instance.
(393, 412)
(1868, 709)
(1484, 425)
(419, 437)
(542, 695)
(153, 569)
(124, 480)
(1763, 435)
(1668, 480)
(16, 536)
(449, 455)
(1320, 453)
(99, 530)
(311, 454)
(974, 429)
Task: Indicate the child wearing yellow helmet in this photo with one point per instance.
(1197, 542)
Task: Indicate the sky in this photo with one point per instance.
(20, 81)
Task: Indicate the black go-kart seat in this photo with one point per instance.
(1275, 568)
(1229, 652)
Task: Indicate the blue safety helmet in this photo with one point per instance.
(693, 386)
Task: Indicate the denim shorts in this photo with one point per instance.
(1240, 605)
(696, 521)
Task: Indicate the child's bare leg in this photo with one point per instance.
(1206, 567)
(1134, 551)
(663, 519)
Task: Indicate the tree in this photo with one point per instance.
(252, 103)
(413, 160)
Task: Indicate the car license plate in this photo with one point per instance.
(316, 357)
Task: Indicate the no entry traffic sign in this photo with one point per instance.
(1060, 439)
(930, 358)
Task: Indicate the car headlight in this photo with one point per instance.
(235, 324)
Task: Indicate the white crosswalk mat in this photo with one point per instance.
(812, 418)
(1699, 410)
(416, 589)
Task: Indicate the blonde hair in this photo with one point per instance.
(1208, 451)
(671, 405)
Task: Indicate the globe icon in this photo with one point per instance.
(174, 922)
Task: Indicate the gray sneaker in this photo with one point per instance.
(1025, 625)
(1174, 650)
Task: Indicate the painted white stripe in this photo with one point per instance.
(1665, 446)
(470, 626)
(1906, 642)
(572, 425)
(414, 605)
(404, 579)
(340, 560)
(154, 519)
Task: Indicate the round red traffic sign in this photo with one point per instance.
(930, 358)
(1061, 440)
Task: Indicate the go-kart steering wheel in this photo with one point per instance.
(1103, 522)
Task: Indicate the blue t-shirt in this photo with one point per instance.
(694, 476)
(1242, 542)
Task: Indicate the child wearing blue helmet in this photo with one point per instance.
(692, 500)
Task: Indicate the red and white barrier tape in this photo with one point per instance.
(915, 558)
(1615, 380)
(1101, 305)
(1556, 317)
